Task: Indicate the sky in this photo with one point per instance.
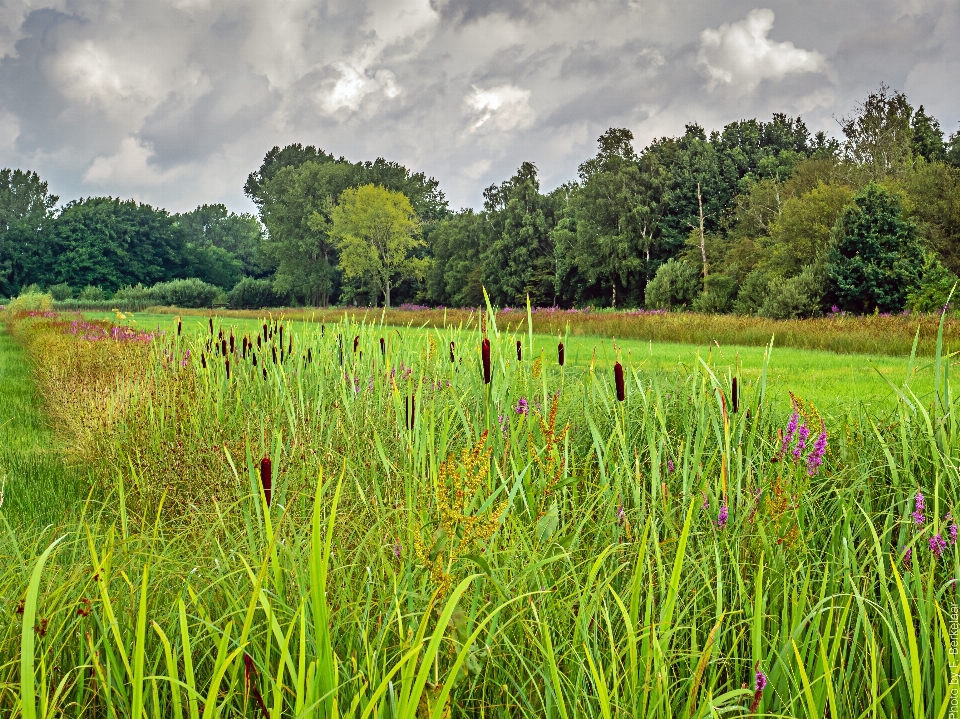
(174, 102)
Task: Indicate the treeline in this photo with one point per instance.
(761, 217)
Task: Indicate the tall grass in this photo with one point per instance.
(430, 549)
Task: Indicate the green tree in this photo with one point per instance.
(26, 209)
(519, 259)
(876, 257)
(927, 137)
(239, 235)
(800, 234)
(675, 285)
(376, 232)
(879, 138)
(455, 274)
(610, 219)
(112, 243)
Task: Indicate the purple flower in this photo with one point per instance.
(937, 545)
(706, 502)
(953, 534)
(802, 433)
(669, 466)
(907, 556)
(723, 516)
(521, 407)
(761, 681)
(397, 549)
(621, 514)
(791, 431)
(918, 506)
(815, 458)
(834, 310)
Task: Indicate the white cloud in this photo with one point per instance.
(740, 56)
(504, 107)
(130, 166)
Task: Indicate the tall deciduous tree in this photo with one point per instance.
(876, 258)
(26, 208)
(376, 232)
(879, 138)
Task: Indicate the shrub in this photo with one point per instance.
(752, 293)
(793, 298)
(92, 293)
(676, 284)
(31, 302)
(185, 293)
(60, 292)
(718, 297)
(936, 282)
(251, 294)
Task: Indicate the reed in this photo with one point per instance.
(533, 540)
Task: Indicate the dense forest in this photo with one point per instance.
(760, 217)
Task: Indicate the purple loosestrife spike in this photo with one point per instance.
(723, 516)
(560, 353)
(522, 407)
(397, 549)
(937, 545)
(953, 533)
(760, 683)
(621, 514)
(519, 351)
(918, 506)
(815, 458)
(485, 358)
(266, 477)
(619, 381)
(706, 502)
(670, 466)
(907, 556)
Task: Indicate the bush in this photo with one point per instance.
(251, 294)
(190, 293)
(91, 293)
(136, 296)
(676, 284)
(60, 292)
(794, 298)
(753, 293)
(718, 297)
(31, 302)
(936, 283)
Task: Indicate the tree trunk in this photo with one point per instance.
(703, 245)
(386, 295)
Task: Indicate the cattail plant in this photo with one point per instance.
(356, 343)
(618, 380)
(734, 395)
(281, 336)
(411, 411)
(309, 354)
(266, 473)
(223, 347)
(383, 347)
(485, 358)
(452, 356)
(227, 364)
(211, 325)
(560, 353)
(231, 342)
(179, 327)
(274, 350)
(203, 360)
(265, 337)
(519, 351)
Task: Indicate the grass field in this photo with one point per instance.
(833, 382)
(307, 527)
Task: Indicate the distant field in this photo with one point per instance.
(832, 381)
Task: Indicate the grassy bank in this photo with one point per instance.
(429, 544)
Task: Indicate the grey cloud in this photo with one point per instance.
(175, 101)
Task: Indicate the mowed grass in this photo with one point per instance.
(38, 484)
(833, 382)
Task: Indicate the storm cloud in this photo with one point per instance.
(173, 102)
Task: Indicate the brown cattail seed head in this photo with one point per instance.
(266, 477)
(621, 385)
(734, 396)
(452, 357)
(519, 351)
(356, 343)
(485, 357)
(383, 346)
(560, 353)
